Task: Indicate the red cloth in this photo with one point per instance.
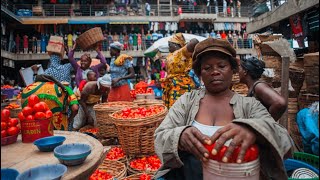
(223, 36)
(82, 84)
(25, 41)
(121, 93)
(296, 26)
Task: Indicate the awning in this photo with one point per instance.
(91, 21)
(129, 22)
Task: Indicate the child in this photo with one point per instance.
(91, 76)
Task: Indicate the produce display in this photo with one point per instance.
(152, 163)
(115, 154)
(141, 177)
(35, 110)
(13, 106)
(100, 175)
(6, 87)
(134, 92)
(252, 153)
(141, 112)
(9, 126)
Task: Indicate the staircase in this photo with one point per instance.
(165, 7)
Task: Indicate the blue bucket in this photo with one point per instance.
(9, 174)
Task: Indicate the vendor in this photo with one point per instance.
(121, 70)
(91, 95)
(85, 62)
(250, 71)
(178, 62)
(243, 121)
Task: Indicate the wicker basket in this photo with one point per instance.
(132, 171)
(123, 160)
(136, 135)
(136, 176)
(104, 122)
(90, 38)
(146, 102)
(115, 168)
(85, 128)
(297, 77)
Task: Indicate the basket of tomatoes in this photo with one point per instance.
(9, 128)
(140, 176)
(14, 109)
(116, 153)
(116, 169)
(143, 164)
(90, 130)
(104, 122)
(136, 127)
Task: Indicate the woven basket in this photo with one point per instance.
(240, 88)
(104, 122)
(136, 135)
(90, 38)
(115, 168)
(132, 171)
(85, 128)
(123, 160)
(136, 176)
(146, 102)
(297, 77)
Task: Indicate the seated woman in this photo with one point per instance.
(242, 120)
(91, 95)
(250, 71)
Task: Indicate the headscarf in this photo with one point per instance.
(254, 66)
(104, 81)
(116, 45)
(178, 39)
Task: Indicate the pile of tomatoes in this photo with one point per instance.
(252, 153)
(141, 177)
(13, 106)
(141, 112)
(9, 126)
(6, 87)
(115, 154)
(100, 175)
(35, 110)
(152, 163)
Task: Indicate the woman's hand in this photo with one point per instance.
(241, 136)
(192, 140)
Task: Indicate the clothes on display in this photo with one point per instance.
(228, 26)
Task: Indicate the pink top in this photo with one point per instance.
(139, 39)
(25, 41)
(162, 74)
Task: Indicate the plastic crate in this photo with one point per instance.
(303, 160)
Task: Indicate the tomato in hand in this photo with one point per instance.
(5, 115)
(210, 148)
(252, 153)
(32, 100)
(21, 116)
(3, 133)
(27, 111)
(3, 126)
(13, 131)
(235, 154)
(29, 118)
(221, 153)
(40, 116)
(13, 122)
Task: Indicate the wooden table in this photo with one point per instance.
(23, 156)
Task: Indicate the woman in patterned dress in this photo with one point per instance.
(179, 64)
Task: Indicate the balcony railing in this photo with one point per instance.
(127, 10)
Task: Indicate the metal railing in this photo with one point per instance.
(265, 6)
(129, 10)
(35, 47)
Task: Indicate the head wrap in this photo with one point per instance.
(116, 45)
(104, 81)
(254, 66)
(178, 39)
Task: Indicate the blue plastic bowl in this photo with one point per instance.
(9, 174)
(48, 172)
(292, 164)
(48, 144)
(72, 154)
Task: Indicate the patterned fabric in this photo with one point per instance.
(119, 71)
(61, 72)
(178, 80)
(120, 93)
(122, 59)
(178, 39)
(51, 94)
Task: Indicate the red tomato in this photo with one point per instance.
(235, 154)
(39, 107)
(49, 114)
(29, 118)
(45, 105)
(210, 148)
(145, 177)
(221, 153)
(13, 131)
(39, 115)
(3, 126)
(5, 115)
(3, 133)
(13, 122)
(32, 100)
(27, 111)
(21, 116)
(251, 154)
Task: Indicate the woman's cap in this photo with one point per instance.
(211, 44)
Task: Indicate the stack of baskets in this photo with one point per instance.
(146, 102)
(107, 129)
(115, 168)
(292, 124)
(136, 135)
(90, 38)
(297, 77)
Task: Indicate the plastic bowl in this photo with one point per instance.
(9, 140)
(72, 154)
(47, 172)
(48, 144)
(9, 174)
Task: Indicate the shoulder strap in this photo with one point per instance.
(252, 92)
